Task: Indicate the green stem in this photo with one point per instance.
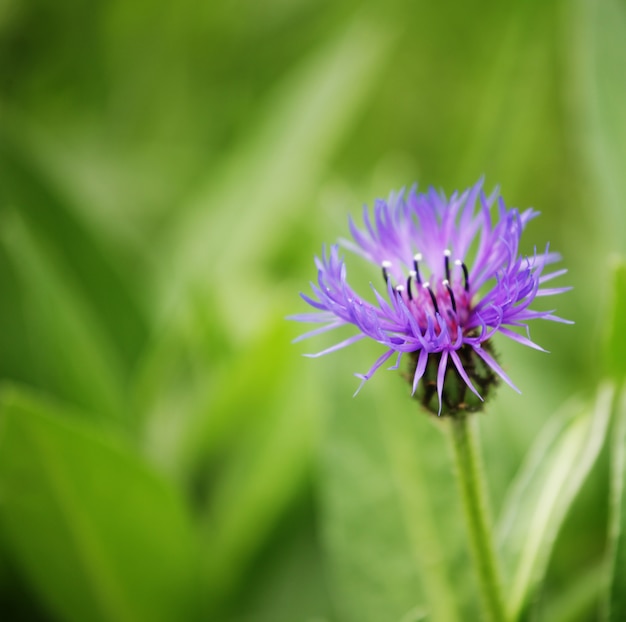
(474, 498)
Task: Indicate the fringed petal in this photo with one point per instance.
(420, 368)
(485, 356)
(441, 374)
(365, 377)
(337, 346)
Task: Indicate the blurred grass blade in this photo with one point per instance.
(267, 470)
(190, 392)
(69, 354)
(236, 219)
(419, 521)
(390, 513)
(374, 575)
(105, 287)
(598, 58)
(615, 335)
(579, 598)
(617, 519)
(543, 493)
(512, 99)
(99, 536)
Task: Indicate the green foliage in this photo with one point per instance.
(541, 495)
(398, 510)
(616, 602)
(597, 66)
(69, 354)
(614, 334)
(96, 531)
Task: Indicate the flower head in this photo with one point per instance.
(451, 277)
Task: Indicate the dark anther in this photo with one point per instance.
(409, 289)
(432, 297)
(416, 268)
(386, 265)
(452, 300)
(446, 260)
(458, 262)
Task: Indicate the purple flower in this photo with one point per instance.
(452, 277)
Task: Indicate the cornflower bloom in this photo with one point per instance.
(451, 279)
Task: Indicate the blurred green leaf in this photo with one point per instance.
(93, 270)
(614, 333)
(176, 379)
(598, 57)
(579, 599)
(268, 467)
(69, 354)
(512, 116)
(98, 534)
(616, 600)
(543, 492)
(234, 425)
(409, 479)
(237, 217)
(195, 395)
(390, 511)
(292, 558)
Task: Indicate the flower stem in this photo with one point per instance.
(474, 499)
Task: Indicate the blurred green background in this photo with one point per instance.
(167, 172)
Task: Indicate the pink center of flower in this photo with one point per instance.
(447, 296)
